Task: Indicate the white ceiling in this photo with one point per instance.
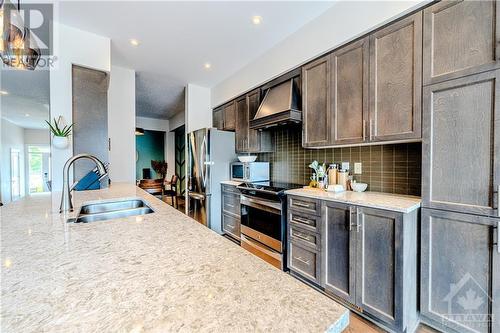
(177, 38)
(27, 102)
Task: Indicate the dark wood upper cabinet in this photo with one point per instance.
(247, 139)
(461, 146)
(395, 80)
(459, 258)
(460, 38)
(316, 104)
(230, 116)
(241, 125)
(349, 94)
(254, 136)
(218, 118)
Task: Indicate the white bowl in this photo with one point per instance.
(247, 159)
(359, 187)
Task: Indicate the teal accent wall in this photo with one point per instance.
(150, 146)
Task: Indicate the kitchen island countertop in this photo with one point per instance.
(155, 273)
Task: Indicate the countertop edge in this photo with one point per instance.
(231, 182)
(309, 193)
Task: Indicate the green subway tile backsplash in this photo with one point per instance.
(394, 168)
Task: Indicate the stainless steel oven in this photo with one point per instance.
(261, 228)
(263, 220)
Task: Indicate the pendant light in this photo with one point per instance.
(19, 48)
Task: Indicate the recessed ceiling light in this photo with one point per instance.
(207, 65)
(257, 19)
(3, 92)
(26, 114)
(134, 42)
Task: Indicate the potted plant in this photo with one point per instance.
(61, 135)
(160, 167)
(319, 176)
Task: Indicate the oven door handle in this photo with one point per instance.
(261, 247)
(270, 207)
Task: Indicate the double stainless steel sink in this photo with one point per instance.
(110, 210)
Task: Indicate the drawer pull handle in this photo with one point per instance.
(303, 220)
(229, 205)
(302, 236)
(230, 225)
(498, 200)
(301, 204)
(304, 261)
(498, 236)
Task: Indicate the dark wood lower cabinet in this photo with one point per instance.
(386, 266)
(339, 247)
(231, 224)
(460, 282)
(368, 260)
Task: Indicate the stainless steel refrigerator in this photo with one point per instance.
(210, 153)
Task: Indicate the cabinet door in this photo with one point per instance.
(304, 261)
(339, 250)
(395, 81)
(241, 126)
(231, 226)
(254, 136)
(461, 145)
(379, 271)
(350, 93)
(460, 38)
(316, 104)
(230, 116)
(459, 271)
(218, 119)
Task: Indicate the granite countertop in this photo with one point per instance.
(231, 182)
(155, 273)
(394, 202)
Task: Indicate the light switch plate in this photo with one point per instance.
(357, 168)
(344, 166)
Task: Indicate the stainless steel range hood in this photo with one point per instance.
(280, 106)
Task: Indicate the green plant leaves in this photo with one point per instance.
(57, 131)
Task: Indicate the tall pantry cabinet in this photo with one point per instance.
(460, 257)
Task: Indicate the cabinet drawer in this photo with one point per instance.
(306, 205)
(231, 204)
(231, 225)
(231, 189)
(304, 262)
(298, 235)
(306, 221)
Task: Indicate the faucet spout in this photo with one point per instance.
(66, 199)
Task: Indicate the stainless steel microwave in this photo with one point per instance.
(250, 172)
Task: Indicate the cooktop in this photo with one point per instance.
(276, 187)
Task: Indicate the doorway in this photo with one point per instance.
(150, 145)
(15, 174)
(38, 169)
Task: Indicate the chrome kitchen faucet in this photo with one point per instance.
(66, 199)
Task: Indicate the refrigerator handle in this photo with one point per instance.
(203, 165)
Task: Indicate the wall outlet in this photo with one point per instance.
(357, 168)
(344, 166)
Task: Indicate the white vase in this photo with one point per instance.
(60, 142)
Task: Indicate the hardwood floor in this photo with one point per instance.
(168, 200)
(359, 325)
